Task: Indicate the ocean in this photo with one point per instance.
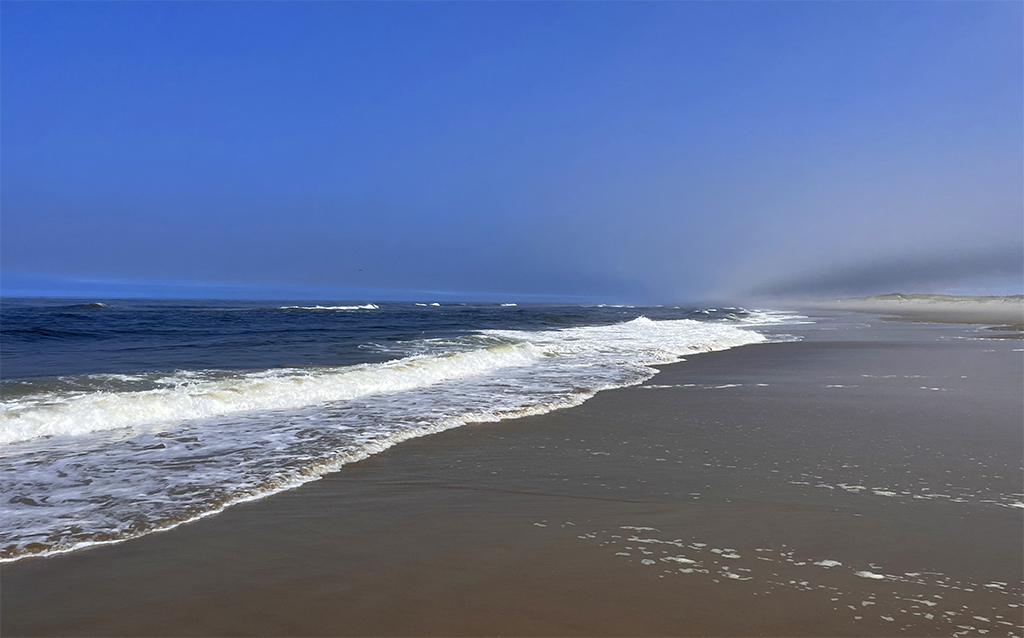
(121, 418)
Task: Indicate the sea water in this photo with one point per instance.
(120, 418)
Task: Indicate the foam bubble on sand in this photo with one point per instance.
(872, 575)
(828, 563)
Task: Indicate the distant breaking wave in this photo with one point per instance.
(85, 306)
(368, 306)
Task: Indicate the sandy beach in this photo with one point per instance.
(865, 481)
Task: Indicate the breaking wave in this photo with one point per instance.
(186, 398)
(368, 306)
(167, 448)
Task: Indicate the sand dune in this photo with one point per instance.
(939, 308)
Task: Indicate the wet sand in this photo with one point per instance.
(697, 504)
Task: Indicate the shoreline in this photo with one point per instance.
(519, 527)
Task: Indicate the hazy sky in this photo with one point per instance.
(620, 151)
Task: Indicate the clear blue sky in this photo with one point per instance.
(620, 151)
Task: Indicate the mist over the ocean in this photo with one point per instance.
(997, 271)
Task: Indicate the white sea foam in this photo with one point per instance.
(55, 415)
(640, 342)
(368, 306)
(195, 442)
(773, 318)
(679, 559)
(626, 348)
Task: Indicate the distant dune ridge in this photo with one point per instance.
(1007, 310)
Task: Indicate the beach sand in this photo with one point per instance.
(892, 449)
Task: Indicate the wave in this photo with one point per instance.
(767, 318)
(127, 529)
(368, 306)
(56, 415)
(87, 306)
(126, 463)
(190, 395)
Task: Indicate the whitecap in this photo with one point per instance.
(368, 306)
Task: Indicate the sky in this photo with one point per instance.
(638, 152)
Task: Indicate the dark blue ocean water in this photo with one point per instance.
(58, 337)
